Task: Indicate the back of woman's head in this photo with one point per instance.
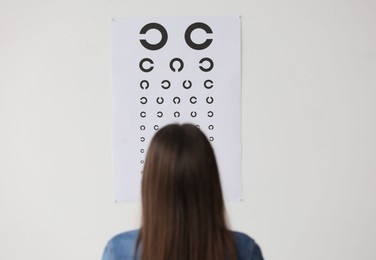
(183, 208)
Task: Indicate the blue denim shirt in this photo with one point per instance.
(121, 247)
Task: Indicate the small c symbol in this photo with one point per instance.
(189, 84)
(211, 64)
(144, 84)
(143, 100)
(176, 100)
(193, 100)
(208, 84)
(168, 84)
(179, 61)
(160, 100)
(141, 65)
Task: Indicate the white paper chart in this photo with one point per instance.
(175, 70)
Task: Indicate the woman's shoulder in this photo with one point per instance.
(246, 247)
(127, 236)
(121, 246)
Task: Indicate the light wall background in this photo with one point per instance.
(309, 126)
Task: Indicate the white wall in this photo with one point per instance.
(309, 124)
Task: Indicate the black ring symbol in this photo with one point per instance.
(211, 64)
(144, 84)
(142, 150)
(142, 139)
(158, 45)
(168, 84)
(176, 114)
(141, 65)
(188, 34)
(211, 138)
(160, 100)
(193, 114)
(176, 60)
(142, 161)
(210, 114)
(209, 100)
(142, 127)
(211, 127)
(156, 127)
(143, 114)
(176, 100)
(193, 100)
(189, 84)
(143, 100)
(159, 114)
(206, 84)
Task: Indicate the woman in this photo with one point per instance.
(183, 213)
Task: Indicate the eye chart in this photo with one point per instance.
(175, 70)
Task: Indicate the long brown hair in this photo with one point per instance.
(183, 213)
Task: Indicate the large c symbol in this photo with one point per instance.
(159, 45)
(188, 34)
